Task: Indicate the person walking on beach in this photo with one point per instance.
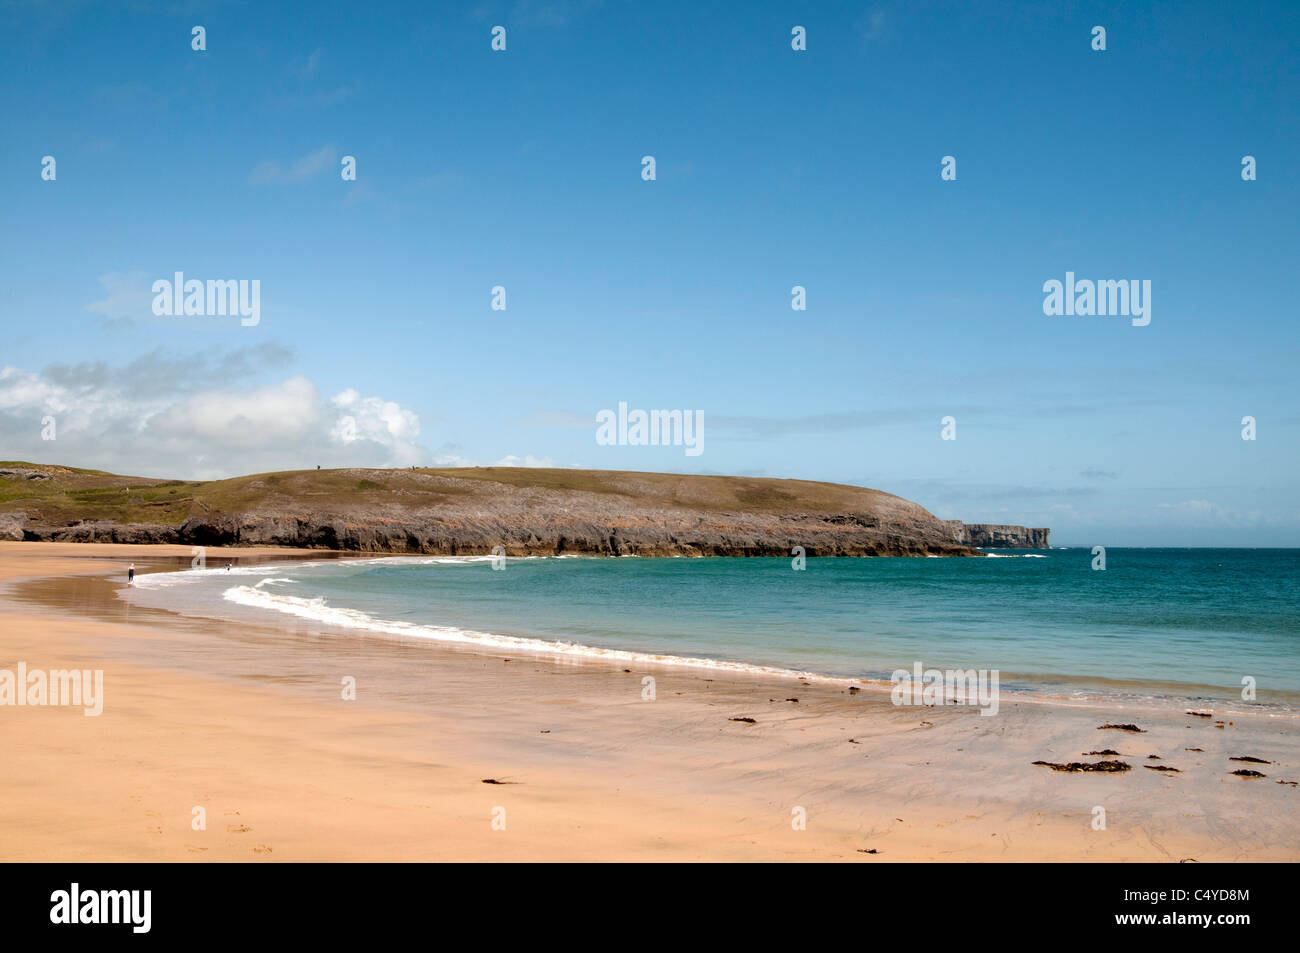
(130, 574)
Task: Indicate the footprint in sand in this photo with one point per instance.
(153, 830)
(238, 829)
(261, 849)
(152, 814)
(232, 814)
(195, 850)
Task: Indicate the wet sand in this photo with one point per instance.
(250, 724)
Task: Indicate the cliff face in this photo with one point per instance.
(998, 536)
(472, 511)
(724, 535)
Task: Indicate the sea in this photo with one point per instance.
(1215, 628)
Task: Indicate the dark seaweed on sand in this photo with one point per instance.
(1087, 765)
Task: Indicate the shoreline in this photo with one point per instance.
(1055, 688)
(254, 723)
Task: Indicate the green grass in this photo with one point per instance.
(75, 494)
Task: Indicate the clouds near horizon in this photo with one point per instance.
(171, 421)
(162, 415)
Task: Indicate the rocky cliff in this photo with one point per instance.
(473, 510)
(998, 536)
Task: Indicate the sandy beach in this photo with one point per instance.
(250, 724)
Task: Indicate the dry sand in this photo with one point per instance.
(249, 723)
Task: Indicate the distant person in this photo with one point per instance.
(227, 567)
(130, 574)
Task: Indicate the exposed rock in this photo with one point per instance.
(996, 536)
(105, 531)
(732, 534)
(11, 525)
(23, 474)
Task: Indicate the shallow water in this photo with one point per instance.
(1185, 625)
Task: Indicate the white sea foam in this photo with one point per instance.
(165, 580)
(317, 610)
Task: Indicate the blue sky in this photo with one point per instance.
(775, 168)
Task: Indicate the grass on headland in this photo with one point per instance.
(69, 494)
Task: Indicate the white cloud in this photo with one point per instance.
(265, 416)
(112, 419)
(528, 460)
(378, 421)
(160, 416)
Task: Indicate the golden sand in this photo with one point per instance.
(250, 724)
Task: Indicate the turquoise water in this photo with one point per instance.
(1185, 623)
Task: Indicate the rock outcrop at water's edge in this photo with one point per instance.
(471, 511)
(997, 536)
